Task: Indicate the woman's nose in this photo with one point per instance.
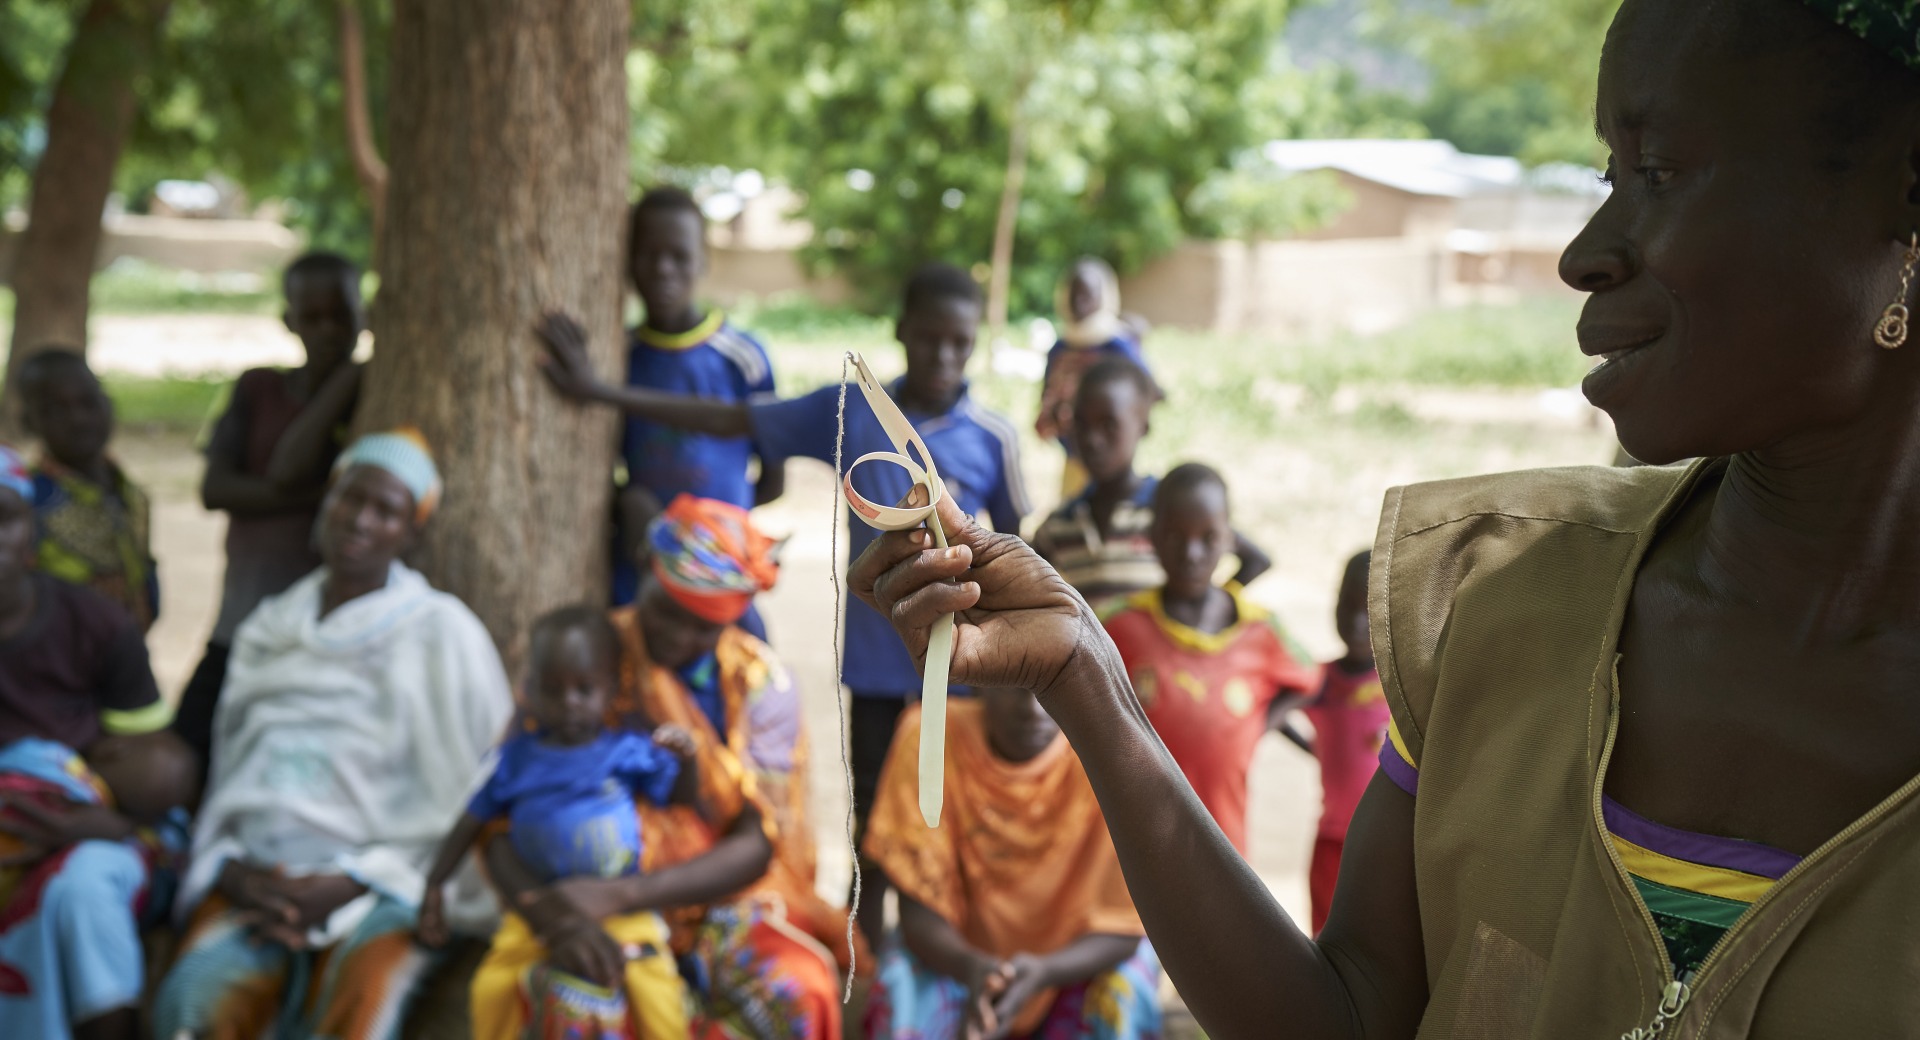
(1600, 257)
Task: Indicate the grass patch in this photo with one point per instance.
(171, 404)
(134, 287)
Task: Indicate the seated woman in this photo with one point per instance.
(765, 952)
(1014, 919)
(73, 872)
(356, 710)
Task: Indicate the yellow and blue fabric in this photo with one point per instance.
(1695, 885)
(404, 454)
(1891, 26)
(570, 810)
(516, 995)
(979, 456)
(97, 535)
(13, 474)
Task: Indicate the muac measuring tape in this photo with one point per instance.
(933, 685)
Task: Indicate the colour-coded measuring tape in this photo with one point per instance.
(933, 686)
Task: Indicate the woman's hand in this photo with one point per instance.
(431, 928)
(282, 909)
(558, 907)
(567, 365)
(1019, 623)
(1020, 978)
(985, 980)
(589, 953)
(43, 830)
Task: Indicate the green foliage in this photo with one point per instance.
(251, 89)
(894, 118)
(33, 35)
(1510, 77)
(1253, 200)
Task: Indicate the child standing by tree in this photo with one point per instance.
(1100, 539)
(267, 465)
(1213, 671)
(93, 520)
(1091, 331)
(978, 454)
(567, 792)
(1349, 724)
(680, 349)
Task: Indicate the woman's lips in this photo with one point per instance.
(1608, 344)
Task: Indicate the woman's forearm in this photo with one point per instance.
(1089, 956)
(939, 945)
(1236, 958)
(737, 860)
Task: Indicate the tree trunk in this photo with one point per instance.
(1000, 280)
(87, 125)
(507, 134)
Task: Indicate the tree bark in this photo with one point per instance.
(507, 135)
(1000, 280)
(87, 124)
(368, 167)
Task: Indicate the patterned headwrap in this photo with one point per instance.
(710, 558)
(13, 474)
(404, 454)
(1891, 26)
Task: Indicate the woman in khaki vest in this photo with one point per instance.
(1657, 731)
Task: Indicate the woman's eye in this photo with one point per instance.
(1656, 176)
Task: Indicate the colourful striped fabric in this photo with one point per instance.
(1695, 885)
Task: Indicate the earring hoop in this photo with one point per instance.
(1891, 332)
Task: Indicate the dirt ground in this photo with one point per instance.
(1309, 489)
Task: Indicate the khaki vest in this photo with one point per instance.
(1497, 604)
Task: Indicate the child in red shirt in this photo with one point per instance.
(1213, 671)
(1349, 722)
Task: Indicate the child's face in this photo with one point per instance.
(676, 637)
(324, 310)
(666, 259)
(150, 775)
(574, 681)
(1083, 293)
(939, 335)
(1018, 728)
(16, 535)
(367, 520)
(72, 416)
(1190, 536)
(1108, 422)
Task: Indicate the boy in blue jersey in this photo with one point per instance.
(679, 349)
(977, 451)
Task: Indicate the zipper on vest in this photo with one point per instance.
(1677, 992)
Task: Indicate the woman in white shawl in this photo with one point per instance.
(356, 711)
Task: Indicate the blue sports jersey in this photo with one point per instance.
(716, 361)
(978, 454)
(570, 810)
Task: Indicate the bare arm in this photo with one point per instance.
(226, 488)
(571, 372)
(1280, 718)
(1239, 961)
(737, 860)
(772, 483)
(940, 946)
(1254, 560)
(299, 462)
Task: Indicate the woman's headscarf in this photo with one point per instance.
(710, 557)
(1099, 328)
(403, 453)
(13, 473)
(1891, 26)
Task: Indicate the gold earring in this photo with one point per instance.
(1891, 333)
